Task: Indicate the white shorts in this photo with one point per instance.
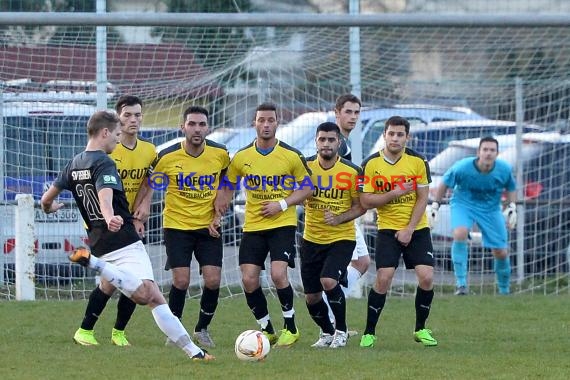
(132, 258)
(361, 248)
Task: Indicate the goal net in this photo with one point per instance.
(431, 74)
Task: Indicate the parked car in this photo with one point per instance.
(432, 138)
(300, 133)
(38, 139)
(546, 178)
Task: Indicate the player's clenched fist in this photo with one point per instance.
(115, 223)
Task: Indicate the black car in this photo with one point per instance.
(546, 181)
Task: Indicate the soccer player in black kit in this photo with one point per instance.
(116, 250)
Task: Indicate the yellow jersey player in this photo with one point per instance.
(275, 178)
(192, 169)
(396, 183)
(133, 157)
(329, 237)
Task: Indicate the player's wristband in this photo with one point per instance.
(283, 204)
(435, 205)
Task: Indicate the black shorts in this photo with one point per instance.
(180, 244)
(324, 260)
(279, 242)
(418, 252)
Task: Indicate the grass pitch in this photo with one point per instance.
(480, 337)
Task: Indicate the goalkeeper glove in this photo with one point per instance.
(433, 214)
(510, 214)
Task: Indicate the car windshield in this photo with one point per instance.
(240, 139)
(302, 130)
(233, 139)
(221, 136)
(443, 161)
(528, 152)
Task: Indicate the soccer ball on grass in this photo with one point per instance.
(252, 345)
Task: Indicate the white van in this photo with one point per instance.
(37, 140)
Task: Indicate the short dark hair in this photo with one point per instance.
(346, 98)
(265, 107)
(195, 109)
(398, 120)
(328, 126)
(489, 139)
(101, 120)
(126, 101)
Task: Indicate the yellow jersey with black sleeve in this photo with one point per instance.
(192, 184)
(133, 166)
(334, 190)
(268, 178)
(381, 175)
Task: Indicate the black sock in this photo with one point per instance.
(208, 305)
(176, 301)
(423, 306)
(376, 303)
(320, 314)
(285, 296)
(95, 306)
(125, 309)
(258, 305)
(337, 302)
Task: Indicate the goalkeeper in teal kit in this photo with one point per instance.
(477, 184)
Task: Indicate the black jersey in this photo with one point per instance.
(344, 150)
(86, 174)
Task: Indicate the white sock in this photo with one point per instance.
(173, 329)
(289, 313)
(331, 315)
(94, 262)
(353, 276)
(125, 281)
(263, 322)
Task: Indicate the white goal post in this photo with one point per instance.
(25, 251)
